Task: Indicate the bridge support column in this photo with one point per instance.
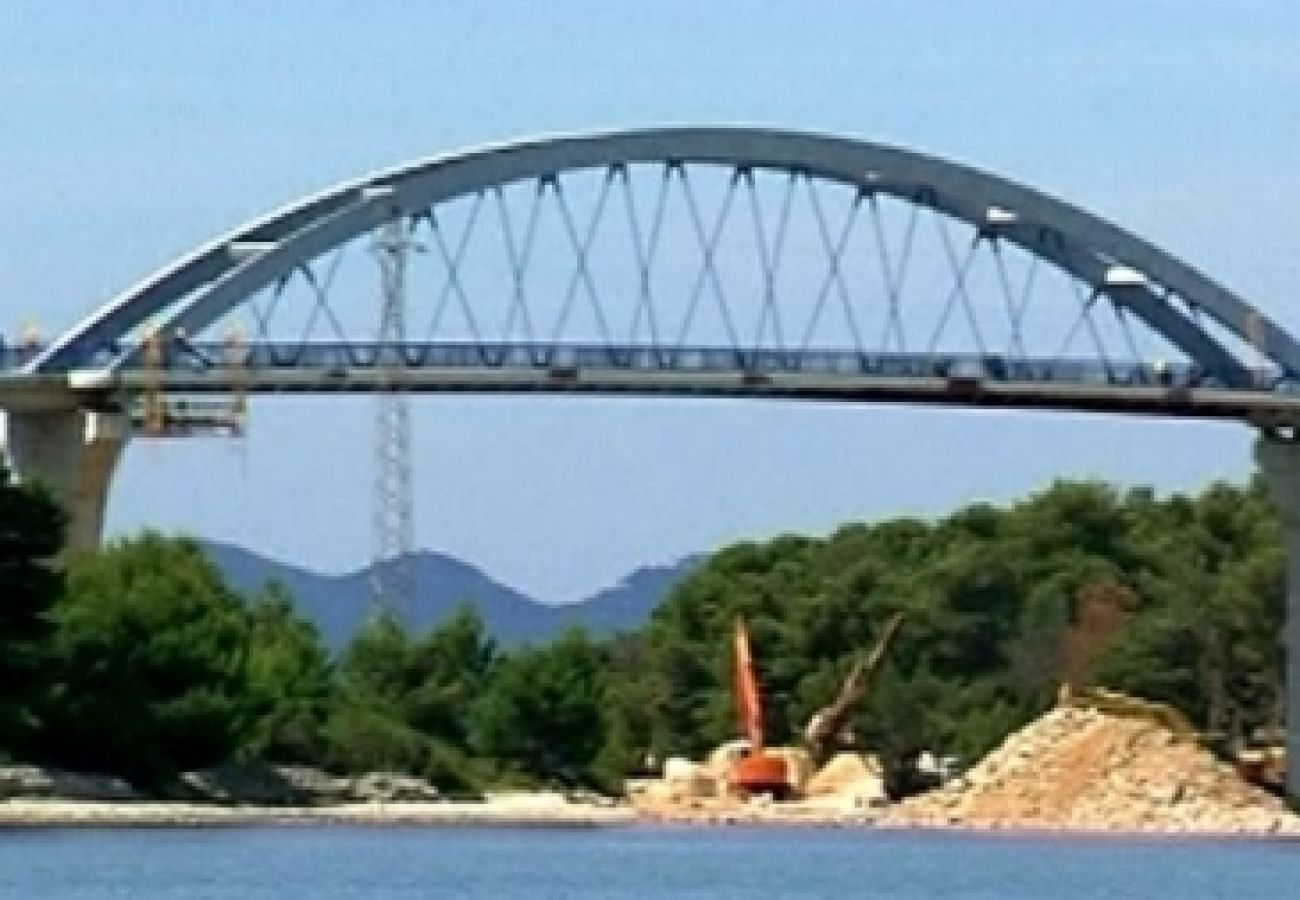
(1279, 460)
(74, 453)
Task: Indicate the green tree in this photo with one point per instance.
(368, 728)
(630, 695)
(31, 534)
(447, 669)
(151, 650)
(404, 705)
(541, 714)
(289, 679)
(1207, 634)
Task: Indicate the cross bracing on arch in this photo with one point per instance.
(747, 248)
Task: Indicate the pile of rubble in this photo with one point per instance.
(1081, 769)
(849, 782)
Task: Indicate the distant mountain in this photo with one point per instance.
(629, 603)
(337, 604)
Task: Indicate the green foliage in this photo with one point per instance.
(148, 664)
(31, 534)
(1208, 637)
(448, 670)
(404, 706)
(541, 714)
(629, 699)
(368, 728)
(990, 596)
(290, 681)
(151, 650)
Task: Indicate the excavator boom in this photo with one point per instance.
(749, 705)
(830, 720)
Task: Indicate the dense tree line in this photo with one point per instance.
(997, 613)
(138, 660)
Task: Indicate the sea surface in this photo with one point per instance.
(639, 861)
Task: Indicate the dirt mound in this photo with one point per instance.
(844, 773)
(1082, 769)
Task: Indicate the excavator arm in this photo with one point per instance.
(830, 720)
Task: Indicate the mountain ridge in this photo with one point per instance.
(339, 604)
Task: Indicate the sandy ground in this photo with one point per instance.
(522, 810)
(528, 812)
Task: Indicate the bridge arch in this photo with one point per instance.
(1170, 296)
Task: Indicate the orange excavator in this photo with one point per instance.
(757, 772)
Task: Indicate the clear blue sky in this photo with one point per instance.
(131, 132)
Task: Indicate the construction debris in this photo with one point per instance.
(1099, 761)
(850, 781)
(846, 772)
(1084, 769)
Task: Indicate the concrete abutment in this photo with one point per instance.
(74, 453)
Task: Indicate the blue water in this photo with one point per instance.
(640, 862)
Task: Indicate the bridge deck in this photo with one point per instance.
(839, 376)
(1257, 408)
(262, 357)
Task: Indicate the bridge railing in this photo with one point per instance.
(338, 358)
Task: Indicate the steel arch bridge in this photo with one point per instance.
(712, 261)
(726, 261)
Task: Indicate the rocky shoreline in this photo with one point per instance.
(253, 795)
(1075, 771)
(25, 814)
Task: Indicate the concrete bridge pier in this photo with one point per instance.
(1279, 460)
(74, 454)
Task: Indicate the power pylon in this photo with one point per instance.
(392, 579)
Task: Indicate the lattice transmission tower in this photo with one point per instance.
(392, 577)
